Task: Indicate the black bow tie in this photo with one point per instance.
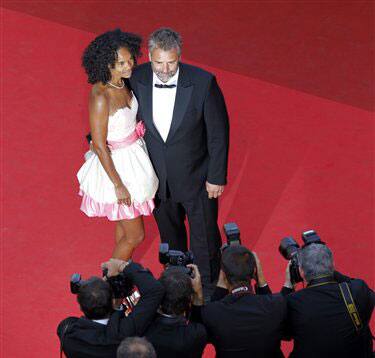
(157, 85)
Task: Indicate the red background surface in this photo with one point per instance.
(298, 82)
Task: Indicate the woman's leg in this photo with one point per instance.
(129, 234)
(119, 232)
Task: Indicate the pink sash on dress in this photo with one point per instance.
(139, 132)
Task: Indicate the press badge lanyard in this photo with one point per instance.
(242, 289)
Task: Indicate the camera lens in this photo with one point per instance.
(288, 247)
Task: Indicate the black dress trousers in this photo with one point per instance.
(205, 239)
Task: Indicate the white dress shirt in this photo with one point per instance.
(163, 104)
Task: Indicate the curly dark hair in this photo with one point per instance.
(103, 52)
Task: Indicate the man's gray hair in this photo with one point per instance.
(136, 347)
(316, 260)
(166, 39)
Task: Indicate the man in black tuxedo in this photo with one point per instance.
(187, 136)
(240, 322)
(318, 319)
(99, 332)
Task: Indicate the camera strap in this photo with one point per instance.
(321, 281)
(321, 284)
(350, 305)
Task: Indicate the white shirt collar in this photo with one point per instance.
(172, 81)
(101, 321)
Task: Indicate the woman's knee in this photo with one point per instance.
(139, 237)
(134, 239)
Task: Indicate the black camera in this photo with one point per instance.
(121, 286)
(175, 258)
(232, 233)
(289, 248)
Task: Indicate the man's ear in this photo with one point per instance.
(149, 56)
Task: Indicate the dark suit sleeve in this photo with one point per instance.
(200, 341)
(132, 83)
(285, 328)
(219, 293)
(364, 298)
(195, 314)
(65, 325)
(133, 86)
(287, 323)
(286, 291)
(217, 126)
(206, 315)
(151, 294)
(265, 290)
(339, 277)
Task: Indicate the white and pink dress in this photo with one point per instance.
(131, 160)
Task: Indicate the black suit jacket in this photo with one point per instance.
(86, 338)
(320, 325)
(196, 149)
(245, 325)
(175, 337)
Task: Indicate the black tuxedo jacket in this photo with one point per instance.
(175, 337)
(86, 338)
(196, 149)
(245, 325)
(320, 325)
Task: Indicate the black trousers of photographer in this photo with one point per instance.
(205, 239)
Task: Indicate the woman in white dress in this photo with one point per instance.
(117, 180)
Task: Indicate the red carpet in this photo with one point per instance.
(301, 155)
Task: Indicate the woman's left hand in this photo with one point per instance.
(123, 195)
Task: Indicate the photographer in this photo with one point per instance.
(99, 332)
(238, 321)
(171, 333)
(318, 317)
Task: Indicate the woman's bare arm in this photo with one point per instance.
(99, 111)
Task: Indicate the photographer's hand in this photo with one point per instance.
(261, 281)
(114, 266)
(117, 303)
(288, 282)
(197, 286)
(221, 282)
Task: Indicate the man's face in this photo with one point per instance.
(164, 63)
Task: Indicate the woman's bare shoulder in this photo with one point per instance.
(99, 95)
